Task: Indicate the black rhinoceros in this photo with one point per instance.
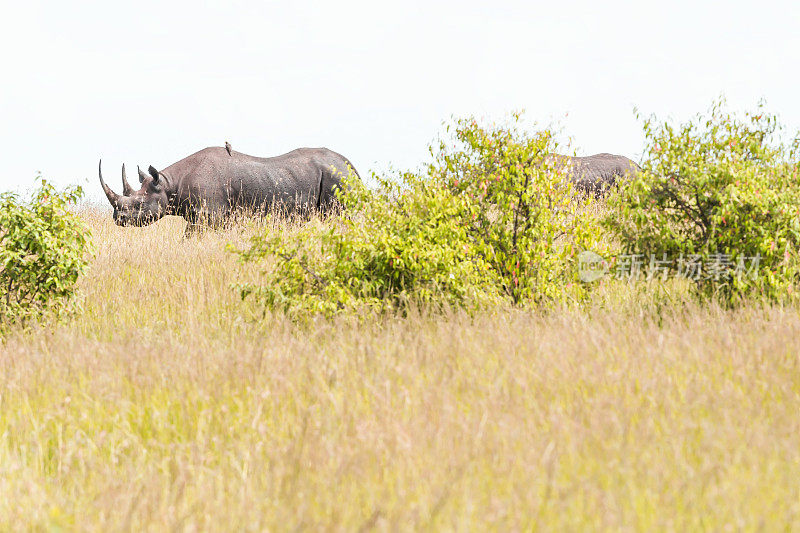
(594, 174)
(210, 185)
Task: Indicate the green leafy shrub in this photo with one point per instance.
(388, 250)
(519, 207)
(718, 202)
(489, 220)
(43, 247)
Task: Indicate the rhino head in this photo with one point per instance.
(142, 207)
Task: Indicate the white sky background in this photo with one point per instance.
(152, 82)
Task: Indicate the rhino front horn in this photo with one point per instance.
(111, 195)
(127, 190)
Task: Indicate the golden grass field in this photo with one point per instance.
(166, 403)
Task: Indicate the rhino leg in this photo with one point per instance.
(191, 230)
(196, 222)
(330, 181)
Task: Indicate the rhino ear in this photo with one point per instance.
(153, 172)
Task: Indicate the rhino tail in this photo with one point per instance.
(319, 189)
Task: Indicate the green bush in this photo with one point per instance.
(488, 221)
(519, 208)
(718, 202)
(43, 247)
(388, 251)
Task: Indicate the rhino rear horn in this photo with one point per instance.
(111, 195)
(127, 190)
(142, 175)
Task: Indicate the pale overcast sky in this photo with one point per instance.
(152, 82)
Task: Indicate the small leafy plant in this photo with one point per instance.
(43, 250)
(720, 191)
(519, 207)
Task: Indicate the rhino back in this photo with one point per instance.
(596, 172)
(219, 180)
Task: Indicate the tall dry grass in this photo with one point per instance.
(168, 404)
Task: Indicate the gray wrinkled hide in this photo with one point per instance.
(304, 178)
(594, 174)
